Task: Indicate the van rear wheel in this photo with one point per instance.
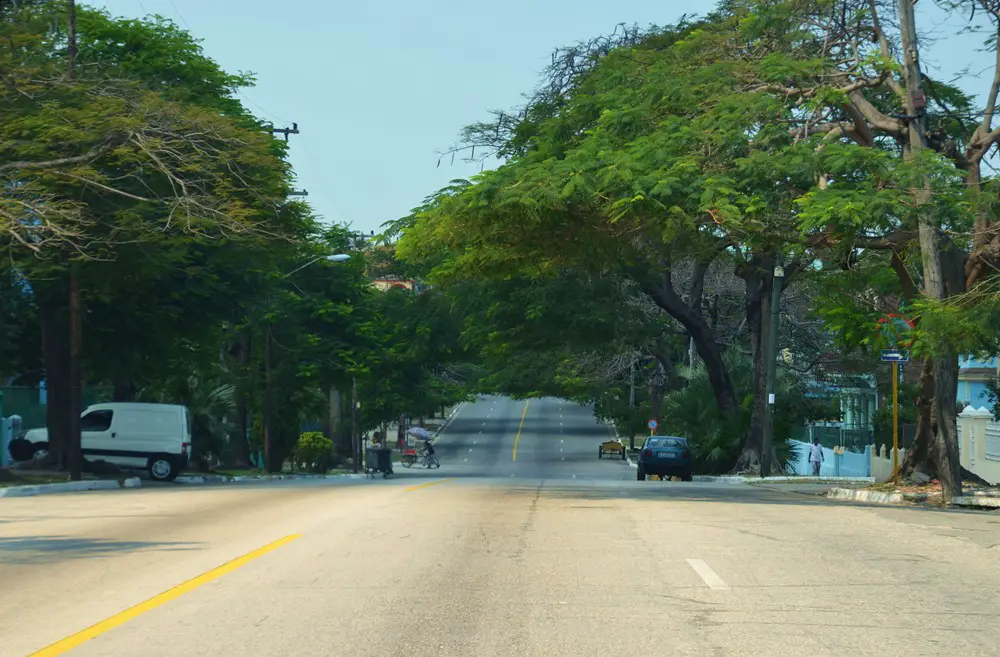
(162, 468)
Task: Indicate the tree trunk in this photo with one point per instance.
(335, 420)
(243, 457)
(757, 307)
(124, 388)
(710, 352)
(655, 400)
(271, 463)
(945, 362)
(945, 393)
(922, 455)
(55, 344)
(74, 445)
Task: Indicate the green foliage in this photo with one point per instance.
(144, 173)
(211, 403)
(716, 440)
(414, 361)
(313, 452)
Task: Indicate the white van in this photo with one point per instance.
(154, 437)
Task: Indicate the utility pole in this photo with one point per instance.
(294, 130)
(771, 365)
(270, 448)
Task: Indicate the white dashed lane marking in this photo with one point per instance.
(708, 575)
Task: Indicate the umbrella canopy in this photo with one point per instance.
(420, 433)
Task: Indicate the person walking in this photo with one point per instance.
(816, 456)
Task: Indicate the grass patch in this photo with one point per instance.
(234, 472)
(33, 480)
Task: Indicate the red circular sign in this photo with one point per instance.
(894, 327)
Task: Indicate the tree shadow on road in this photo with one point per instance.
(42, 549)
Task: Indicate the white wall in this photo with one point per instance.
(979, 443)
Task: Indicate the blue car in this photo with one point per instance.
(666, 456)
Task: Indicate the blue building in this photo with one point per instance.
(973, 375)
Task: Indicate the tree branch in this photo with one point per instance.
(991, 97)
(883, 43)
(860, 125)
(107, 188)
(876, 118)
(910, 290)
(697, 288)
(90, 155)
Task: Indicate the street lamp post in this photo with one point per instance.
(269, 450)
(771, 364)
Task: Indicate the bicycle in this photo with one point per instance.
(427, 459)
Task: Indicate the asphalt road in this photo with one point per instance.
(549, 553)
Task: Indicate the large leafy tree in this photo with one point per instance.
(900, 161)
(653, 161)
(415, 362)
(130, 171)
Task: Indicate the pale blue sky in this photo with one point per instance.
(379, 86)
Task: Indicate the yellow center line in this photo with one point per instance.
(94, 631)
(430, 483)
(517, 438)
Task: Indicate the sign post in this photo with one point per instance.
(895, 357)
(652, 427)
(895, 422)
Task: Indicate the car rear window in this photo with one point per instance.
(665, 442)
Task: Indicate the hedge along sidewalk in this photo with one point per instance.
(70, 487)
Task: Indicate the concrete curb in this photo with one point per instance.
(868, 496)
(70, 487)
(978, 501)
(226, 479)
